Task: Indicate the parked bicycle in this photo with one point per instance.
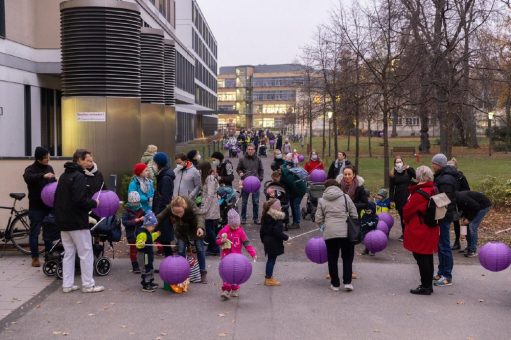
(17, 230)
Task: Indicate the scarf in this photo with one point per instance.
(341, 164)
(350, 189)
(133, 207)
(144, 184)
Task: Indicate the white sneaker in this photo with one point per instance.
(93, 289)
(70, 289)
(234, 293)
(335, 289)
(225, 295)
(348, 287)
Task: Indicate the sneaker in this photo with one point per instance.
(257, 222)
(148, 289)
(437, 277)
(154, 286)
(443, 282)
(136, 271)
(225, 295)
(93, 289)
(348, 287)
(422, 291)
(234, 293)
(456, 246)
(70, 289)
(470, 254)
(35, 262)
(400, 239)
(335, 289)
(463, 250)
(243, 221)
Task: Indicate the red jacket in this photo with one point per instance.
(313, 165)
(419, 238)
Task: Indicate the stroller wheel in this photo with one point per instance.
(59, 273)
(102, 266)
(50, 268)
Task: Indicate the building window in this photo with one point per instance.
(28, 120)
(51, 121)
(2, 19)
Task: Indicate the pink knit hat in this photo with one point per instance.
(233, 218)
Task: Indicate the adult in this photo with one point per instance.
(163, 195)
(337, 166)
(446, 182)
(188, 222)
(278, 144)
(295, 188)
(224, 169)
(72, 206)
(462, 186)
(209, 206)
(474, 206)
(37, 175)
(250, 165)
(314, 163)
(143, 185)
(421, 239)
(331, 216)
(353, 185)
(277, 161)
(194, 157)
(94, 178)
(400, 179)
(286, 148)
(147, 158)
(187, 182)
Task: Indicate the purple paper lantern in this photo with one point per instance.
(387, 218)
(495, 256)
(383, 227)
(315, 249)
(272, 141)
(108, 203)
(251, 184)
(227, 146)
(375, 241)
(48, 194)
(301, 158)
(235, 269)
(318, 176)
(174, 269)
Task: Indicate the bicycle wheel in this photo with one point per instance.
(20, 233)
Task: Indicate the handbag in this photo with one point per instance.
(354, 233)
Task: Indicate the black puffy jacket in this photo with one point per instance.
(272, 234)
(399, 183)
(471, 202)
(33, 176)
(446, 181)
(162, 197)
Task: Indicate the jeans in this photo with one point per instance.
(255, 205)
(295, 208)
(400, 212)
(347, 250)
(77, 241)
(270, 264)
(426, 268)
(445, 261)
(201, 255)
(473, 227)
(36, 217)
(211, 226)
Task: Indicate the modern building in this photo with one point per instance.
(257, 96)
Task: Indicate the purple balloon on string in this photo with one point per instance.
(108, 203)
(495, 256)
(235, 269)
(251, 184)
(48, 194)
(301, 158)
(315, 249)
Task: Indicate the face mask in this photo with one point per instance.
(399, 167)
(279, 156)
(314, 157)
(179, 166)
(216, 162)
(198, 157)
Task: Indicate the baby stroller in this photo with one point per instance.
(314, 193)
(262, 150)
(275, 190)
(227, 200)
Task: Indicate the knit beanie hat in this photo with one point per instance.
(382, 193)
(161, 159)
(134, 197)
(439, 159)
(40, 153)
(139, 168)
(371, 207)
(218, 155)
(150, 219)
(191, 154)
(233, 218)
(276, 205)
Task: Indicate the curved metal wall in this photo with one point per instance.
(153, 81)
(169, 55)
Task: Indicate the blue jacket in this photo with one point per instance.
(145, 198)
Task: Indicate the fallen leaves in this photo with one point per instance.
(460, 302)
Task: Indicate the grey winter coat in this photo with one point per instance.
(332, 213)
(209, 206)
(187, 182)
(251, 166)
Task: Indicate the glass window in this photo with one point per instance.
(2, 19)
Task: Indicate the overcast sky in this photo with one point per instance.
(263, 31)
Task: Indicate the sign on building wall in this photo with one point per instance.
(91, 116)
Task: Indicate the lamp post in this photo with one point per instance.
(329, 114)
(490, 134)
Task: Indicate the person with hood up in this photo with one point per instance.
(353, 185)
(314, 163)
(143, 185)
(337, 167)
(162, 197)
(147, 159)
(187, 182)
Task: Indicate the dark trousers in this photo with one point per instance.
(145, 261)
(426, 268)
(270, 264)
(211, 226)
(255, 205)
(400, 212)
(347, 250)
(36, 217)
(167, 251)
(456, 231)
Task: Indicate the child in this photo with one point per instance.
(272, 236)
(368, 223)
(382, 202)
(133, 218)
(146, 235)
(230, 239)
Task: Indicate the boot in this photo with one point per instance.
(135, 268)
(203, 277)
(35, 262)
(271, 282)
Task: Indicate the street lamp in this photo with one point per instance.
(490, 134)
(329, 114)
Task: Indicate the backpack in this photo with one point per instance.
(436, 209)
(300, 173)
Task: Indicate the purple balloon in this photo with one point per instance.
(227, 146)
(174, 269)
(383, 227)
(375, 241)
(315, 249)
(495, 256)
(301, 158)
(108, 203)
(272, 141)
(251, 184)
(387, 218)
(318, 176)
(235, 269)
(48, 194)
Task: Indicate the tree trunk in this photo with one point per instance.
(324, 139)
(369, 138)
(394, 123)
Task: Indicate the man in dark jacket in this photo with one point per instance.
(224, 169)
(278, 145)
(474, 206)
(37, 176)
(250, 165)
(446, 182)
(337, 166)
(72, 206)
(163, 195)
(295, 188)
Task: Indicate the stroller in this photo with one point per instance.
(262, 150)
(275, 190)
(314, 192)
(106, 230)
(227, 200)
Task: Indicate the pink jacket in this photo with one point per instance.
(238, 239)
